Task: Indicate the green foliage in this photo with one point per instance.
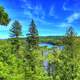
(69, 60)
(15, 33)
(4, 18)
(25, 61)
(58, 40)
(13, 68)
(32, 36)
(15, 30)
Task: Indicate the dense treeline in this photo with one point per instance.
(58, 40)
(25, 60)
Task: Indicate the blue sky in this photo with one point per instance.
(52, 17)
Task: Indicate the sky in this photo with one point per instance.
(52, 17)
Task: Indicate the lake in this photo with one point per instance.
(48, 45)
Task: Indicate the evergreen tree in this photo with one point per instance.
(31, 44)
(69, 56)
(15, 33)
(32, 36)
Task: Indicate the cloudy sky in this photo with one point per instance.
(52, 17)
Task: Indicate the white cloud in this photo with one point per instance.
(73, 17)
(70, 20)
(26, 5)
(71, 7)
(27, 9)
(65, 8)
(29, 6)
(28, 13)
(64, 25)
(35, 12)
(32, 11)
(38, 11)
(51, 12)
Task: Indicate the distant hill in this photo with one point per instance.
(50, 39)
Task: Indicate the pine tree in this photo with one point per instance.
(15, 33)
(69, 56)
(32, 41)
(32, 36)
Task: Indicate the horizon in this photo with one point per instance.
(51, 17)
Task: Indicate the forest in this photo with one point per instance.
(24, 59)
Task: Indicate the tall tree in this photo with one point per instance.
(69, 56)
(32, 43)
(15, 33)
(4, 18)
(32, 36)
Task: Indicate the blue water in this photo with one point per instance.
(50, 45)
(46, 44)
